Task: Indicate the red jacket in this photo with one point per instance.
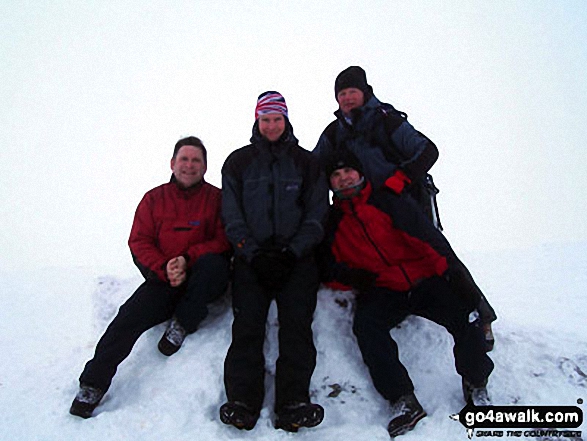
(366, 237)
(171, 222)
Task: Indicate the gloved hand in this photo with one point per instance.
(397, 182)
(360, 279)
(273, 266)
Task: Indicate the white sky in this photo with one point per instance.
(95, 94)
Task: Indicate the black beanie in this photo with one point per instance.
(341, 159)
(353, 76)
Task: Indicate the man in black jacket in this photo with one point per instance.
(274, 198)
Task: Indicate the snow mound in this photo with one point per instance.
(540, 359)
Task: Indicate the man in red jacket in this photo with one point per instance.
(178, 243)
(382, 245)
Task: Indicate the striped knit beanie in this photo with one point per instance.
(270, 102)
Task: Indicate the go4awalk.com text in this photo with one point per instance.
(522, 421)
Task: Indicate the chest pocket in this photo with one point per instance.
(290, 191)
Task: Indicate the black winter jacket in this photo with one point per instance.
(273, 194)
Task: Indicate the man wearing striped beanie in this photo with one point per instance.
(274, 198)
(270, 102)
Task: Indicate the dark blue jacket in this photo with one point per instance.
(380, 156)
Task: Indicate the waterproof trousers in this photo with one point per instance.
(380, 309)
(244, 367)
(153, 303)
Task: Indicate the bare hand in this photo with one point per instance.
(176, 271)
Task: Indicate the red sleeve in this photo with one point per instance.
(143, 239)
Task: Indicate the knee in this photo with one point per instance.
(248, 327)
(212, 262)
(211, 270)
(470, 333)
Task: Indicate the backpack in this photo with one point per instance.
(422, 191)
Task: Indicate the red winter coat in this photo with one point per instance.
(171, 222)
(363, 235)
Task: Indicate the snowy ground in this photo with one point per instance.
(51, 319)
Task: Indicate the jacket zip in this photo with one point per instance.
(354, 212)
(272, 190)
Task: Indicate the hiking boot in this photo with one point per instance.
(86, 400)
(239, 415)
(489, 339)
(295, 415)
(476, 394)
(172, 338)
(406, 412)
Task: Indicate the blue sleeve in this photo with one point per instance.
(418, 151)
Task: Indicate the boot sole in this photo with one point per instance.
(228, 417)
(82, 412)
(294, 425)
(166, 348)
(406, 427)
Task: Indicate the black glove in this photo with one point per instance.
(360, 279)
(273, 266)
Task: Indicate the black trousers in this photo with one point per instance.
(151, 304)
(462, 282)
(379, 310)
(244, 367)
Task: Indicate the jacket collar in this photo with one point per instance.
(186, 192)
(360, 198)
(359, 114)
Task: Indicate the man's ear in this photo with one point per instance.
(172, 163)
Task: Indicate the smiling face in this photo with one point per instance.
(188, 166)
(272, 126)
(349, 99)
(345, 177)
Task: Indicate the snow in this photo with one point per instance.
(51, 319)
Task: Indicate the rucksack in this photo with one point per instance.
(422, 191)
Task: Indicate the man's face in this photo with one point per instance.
(345, 177)
(188, 166)
(350, 98)
(272, 126)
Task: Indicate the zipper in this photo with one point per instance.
(273, 193)
(372, 242)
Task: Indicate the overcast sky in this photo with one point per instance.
(95, 94)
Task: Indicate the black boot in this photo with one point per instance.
(293, 416)
(239, 415)
(406, 412)
(476, 394)
(172, 339)
(86, 400)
